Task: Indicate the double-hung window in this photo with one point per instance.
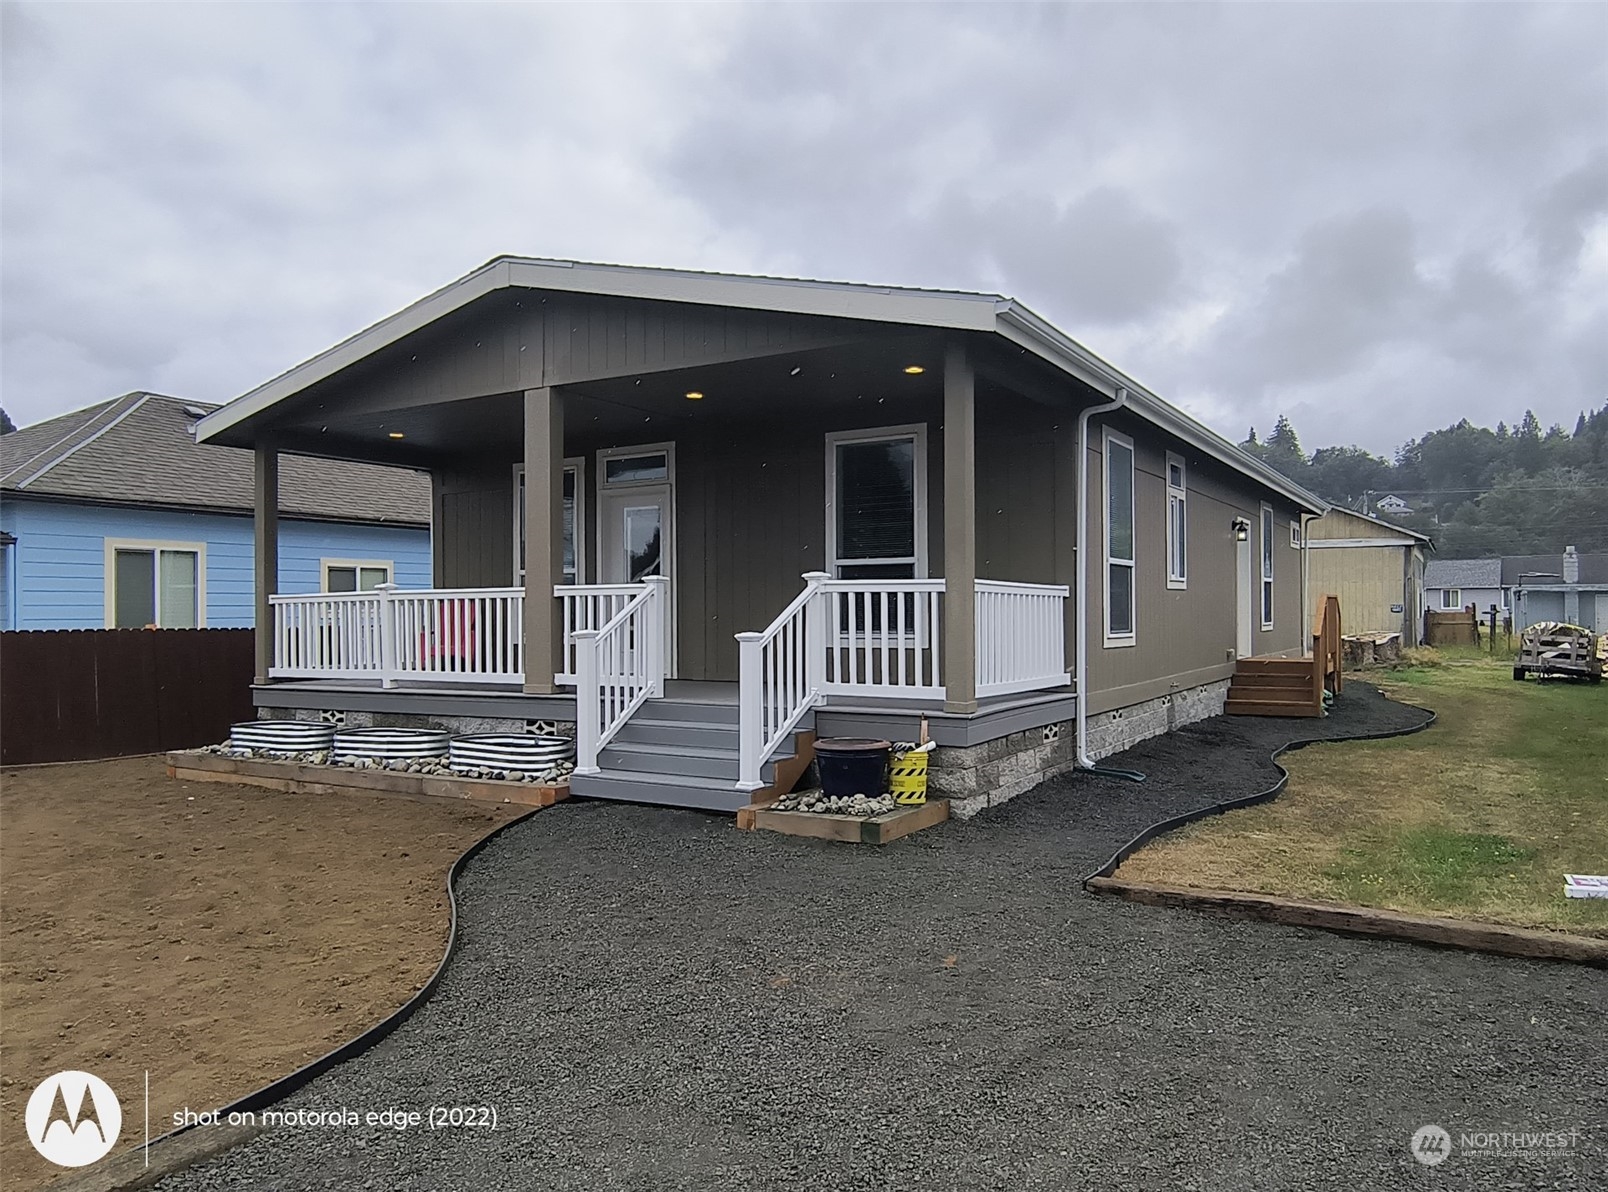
(1267, 566)
(1177, 524)
(573, 505)
(1119, 544)
(155, 583)
(355, 575)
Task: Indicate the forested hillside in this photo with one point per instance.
(1477, 492)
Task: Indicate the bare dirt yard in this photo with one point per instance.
(215, 935)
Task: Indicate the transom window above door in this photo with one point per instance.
(649, 467)
(877, 494)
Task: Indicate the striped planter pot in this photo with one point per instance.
(521, 752)
(388, 744)
(281, 736)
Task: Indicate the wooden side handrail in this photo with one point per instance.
(1326, 647)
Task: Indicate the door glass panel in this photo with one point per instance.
(178, 589)
(629, 469)
(876, 504)
(135, 599)
(642, 527)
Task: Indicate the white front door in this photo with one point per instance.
(1244, 594)
(637, 527)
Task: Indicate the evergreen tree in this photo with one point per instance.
(6, 425)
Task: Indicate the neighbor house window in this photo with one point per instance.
(574, 515)
(354, 575)
(1295, 535)
(1267, 567)
(1119, 535)
(1452, 598)
(1177, 525)
(155, 583)
(877, 503)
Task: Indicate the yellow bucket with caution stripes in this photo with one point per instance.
(907, 779)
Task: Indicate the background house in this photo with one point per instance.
(1375, 568)
(1569, 587)
(114, 517)
(1453, 584)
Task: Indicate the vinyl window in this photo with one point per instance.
(574, 515)
(876, 488)
(1119, 540)
(354, 575)
(1267, 567)
(155, 584)
(1295, 535)
(1452, 598)
(1177, 524)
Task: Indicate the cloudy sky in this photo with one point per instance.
(1375, 218)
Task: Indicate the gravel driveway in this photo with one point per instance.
(652, 1000)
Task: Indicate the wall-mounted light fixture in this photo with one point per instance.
(1242, 529)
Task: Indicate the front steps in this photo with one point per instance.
(682, 752)
(1273, 687)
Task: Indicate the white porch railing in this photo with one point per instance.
(618, 667)
(462, 635)
(883, 639)
(587, 606)
(1021, 637)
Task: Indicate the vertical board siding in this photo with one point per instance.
(79, 694)
(1368, 580)
(476, 536)
(60, 558)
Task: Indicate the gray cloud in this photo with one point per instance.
(1337, 211)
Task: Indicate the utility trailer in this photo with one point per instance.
(1553, 648)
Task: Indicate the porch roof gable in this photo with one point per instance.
(949, 310)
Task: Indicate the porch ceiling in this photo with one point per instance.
(654, 405)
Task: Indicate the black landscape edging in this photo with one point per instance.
(279, 1089)
(1162, 827)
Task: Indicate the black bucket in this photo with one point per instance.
(852, 766)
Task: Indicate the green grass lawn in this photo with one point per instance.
(1478, 817)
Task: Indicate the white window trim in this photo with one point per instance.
(668, 485)
(325, 564)
(576, 464)
(1265, 566)
(1180, 493)
(1131, 637)
(109, 584)
(1295, 535)
(834, 439)
(1454, 605)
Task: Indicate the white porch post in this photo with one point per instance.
(544, 538)
(588, 722)
(815, 633)
(386, 613)
(960, 532)
(265, 526)
(750, 726)
(656, 623)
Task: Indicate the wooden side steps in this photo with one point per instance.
(1291, 686)
(1273, 687)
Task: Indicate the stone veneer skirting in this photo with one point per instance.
(972, 777)
(982, 776)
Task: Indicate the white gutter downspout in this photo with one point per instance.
(1081, 665)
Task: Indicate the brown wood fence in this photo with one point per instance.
(1457, 628)
(74, 694)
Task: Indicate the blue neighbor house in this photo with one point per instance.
(113, 517)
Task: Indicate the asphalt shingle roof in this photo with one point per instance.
(1463, 573)
(137, 450)
(1593, 569)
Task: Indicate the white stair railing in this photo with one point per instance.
(1021, 637)
(587, 606)
(781, 675)
(618, 667)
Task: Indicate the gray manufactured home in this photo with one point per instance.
(699, 517)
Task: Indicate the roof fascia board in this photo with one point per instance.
(84, 441)
(1021, 325)
(47, 498)
(1323, 543)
